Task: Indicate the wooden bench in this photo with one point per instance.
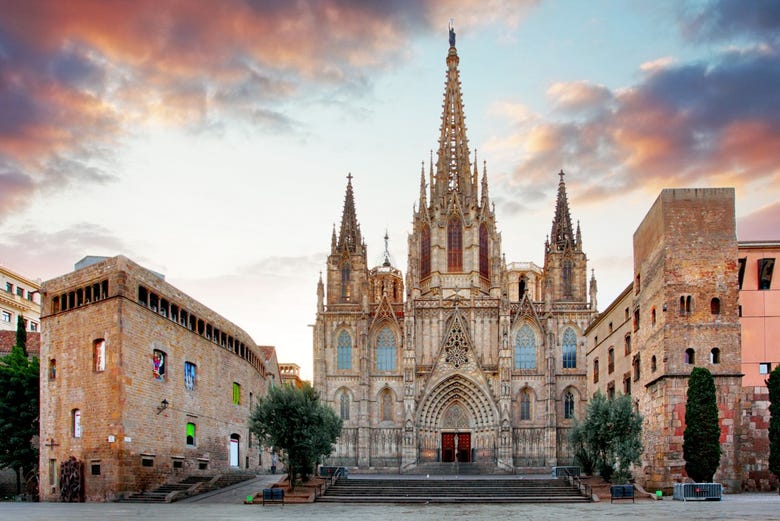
(273, 495)
(621, 492)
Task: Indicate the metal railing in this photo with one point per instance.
(572, 476)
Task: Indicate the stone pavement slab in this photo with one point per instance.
(757, 506)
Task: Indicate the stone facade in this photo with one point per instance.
(466, 358)
(142, 383)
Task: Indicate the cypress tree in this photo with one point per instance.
(773, 383)
(701, 440)
(21, 334)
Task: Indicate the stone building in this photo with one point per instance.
(465, 358)
(141, 383)
(19, 296)
(680, 311)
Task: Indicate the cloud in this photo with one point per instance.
(760, 225)
(725, 19)
(683, 124)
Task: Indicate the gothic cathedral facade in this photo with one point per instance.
(467, 358)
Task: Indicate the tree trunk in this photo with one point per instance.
(18, 480)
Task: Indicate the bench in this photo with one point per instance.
(621, 492)
(273, 495)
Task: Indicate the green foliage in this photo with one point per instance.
(701, 439)
(21, 334)
(609, 438)
(773, 383)
(297, 423)
(19, 390)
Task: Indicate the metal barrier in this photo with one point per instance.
(563, 470)
(698, 491)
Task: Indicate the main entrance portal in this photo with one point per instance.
(456, 446)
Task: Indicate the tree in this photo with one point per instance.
(19, 391)
(21, 334)
(701, 439)
(296, 422)
(609, 438)
(773, 383)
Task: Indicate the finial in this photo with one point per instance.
(349, 178)
(387, 249)
(561, 174)
(452, 33)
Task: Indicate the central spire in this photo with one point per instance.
(562, 233)
(349, 235)
(452, 166)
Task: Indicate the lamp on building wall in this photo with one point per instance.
(163, 405)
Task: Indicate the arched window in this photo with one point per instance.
(525, 405)
(715, 306)
(346, 273)
(610, 360)
(596, 371)
(653, 364)
(690, 356)
(569, 349)
(385, 350)
(636, 365)
(484, 269)
(525, 349)
(344, 411)
(715, 356)
(521, 288)
(387, 405)
(344, 351)
(454, 245)
(425, 251)
(566, 278)
(235, 441)
(568, 405)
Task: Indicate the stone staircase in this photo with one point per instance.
(452, 490)
(455, 469)
(189, 486)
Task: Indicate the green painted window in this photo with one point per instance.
(191, 434)
(236, 393)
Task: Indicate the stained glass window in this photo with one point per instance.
(344, 413)
(525, 405)
(525, 349)
(344, 351)
(569, 349)
(454, 245)
(190, 371)
(484, 269)
(385, 350)
(158, 364)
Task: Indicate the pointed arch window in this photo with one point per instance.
(525, 405)
(346, 274)
(568, 405)
(344, 411)
(425, 251)
(569, 349)
(484, 270)
(566, 278)
(385, 350)
(387, 405)
(525, 349)
(454, 245)
(344, 351)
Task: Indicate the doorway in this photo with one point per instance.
(455, 446)
(234, 441)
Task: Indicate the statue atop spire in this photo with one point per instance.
(452, 33)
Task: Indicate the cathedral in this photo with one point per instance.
(467, 358)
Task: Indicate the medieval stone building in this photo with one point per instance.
(467, 358)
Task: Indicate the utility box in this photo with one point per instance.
(698, 491)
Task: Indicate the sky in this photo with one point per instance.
(210, 140)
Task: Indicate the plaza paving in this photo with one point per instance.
(228, 505)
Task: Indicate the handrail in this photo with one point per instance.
(339, 472)
(574, 480)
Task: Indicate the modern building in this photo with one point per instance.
(141, 384)
(465, 358)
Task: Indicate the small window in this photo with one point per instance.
(652, 316)
(5, 316)
(690, 356)
(627, 384)
(525, 405)
(75, 418)
(190, 373)
(99, 355)
(158, 364)
(191, 435)
(33, 326)
(94, 469)
(596, 371)
(627, 345)
(765, 268)
(653, 364)
(611, 390)
(177, 464)
(638, 285)
(636, 366)
(236, 393)
(715, 306)
(764, 368)
(344, 406)
(636, 319)
(203, 465)
(147, 461)
(568, 406)
(611, 360)
(715, 356)
(52, 369)
(20, 292)
(9, 287)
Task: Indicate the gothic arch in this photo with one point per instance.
(457, 388)
(385, 400)
(518, 341)
(379, 333)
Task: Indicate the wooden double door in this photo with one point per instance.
(455, 446)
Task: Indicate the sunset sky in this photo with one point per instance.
(211, 140)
